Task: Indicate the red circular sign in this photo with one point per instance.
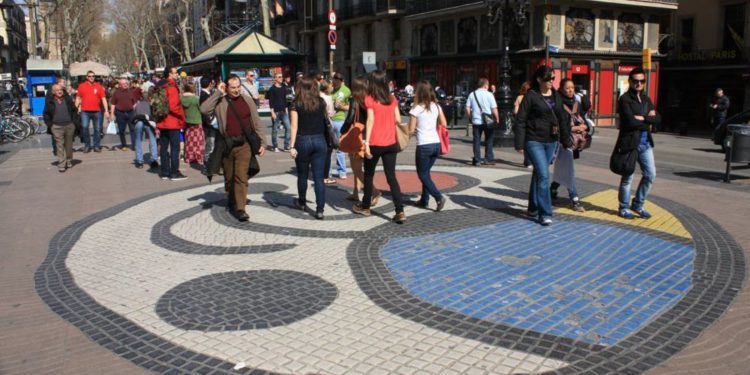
(332, 17)
(332, 37)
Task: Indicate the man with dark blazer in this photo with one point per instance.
(207, 86)
(61, 117)
(638, 118)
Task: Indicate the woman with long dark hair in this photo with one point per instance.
(309, 147)
(381, 142)
(425, 117)
(565, 173)
(537, 131)
(356, 112)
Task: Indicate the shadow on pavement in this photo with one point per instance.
(709, 175)
(712, 150)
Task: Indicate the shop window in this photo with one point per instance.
(428, 40)
(579, 29)
(467, 35)
(630, 33)
(687, 26)
(447, 36)
(489, 35)
(734, 27)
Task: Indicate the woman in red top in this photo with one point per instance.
(380, 142)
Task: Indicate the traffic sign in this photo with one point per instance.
(332, 17)
(332, 37)
(647, 59)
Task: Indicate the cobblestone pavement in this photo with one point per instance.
(170, 282)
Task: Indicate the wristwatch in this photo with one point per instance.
(365, 143)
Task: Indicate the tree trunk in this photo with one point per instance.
(266, 17)
(187, 56)
(206, 26)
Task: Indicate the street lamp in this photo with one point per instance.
(509, 13)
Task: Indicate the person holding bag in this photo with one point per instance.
(537, 132)
(308, 140)
(239, 140)
(383, 118)
(482, 110)
(352, 132)
(638, 118)
(565, 172)
(426, 117)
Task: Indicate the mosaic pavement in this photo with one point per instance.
(173, 283)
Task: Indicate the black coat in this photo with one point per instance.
(722, 105)
(535, 120)
(205, 118)
(630, 128)
(49, 111)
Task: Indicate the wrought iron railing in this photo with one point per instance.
(421, 6)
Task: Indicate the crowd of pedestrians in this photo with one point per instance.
(218, 129)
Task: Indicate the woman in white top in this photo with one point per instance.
(425, 117)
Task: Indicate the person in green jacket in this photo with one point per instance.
(340, 95)
(194, 137)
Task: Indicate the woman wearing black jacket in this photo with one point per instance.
(537, 131)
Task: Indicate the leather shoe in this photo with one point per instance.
(243, 216)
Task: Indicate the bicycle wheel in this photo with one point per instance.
(20, 129)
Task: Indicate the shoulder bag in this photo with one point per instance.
(487, 118)
(580, 141)
(351, 141)
(622, 161)
(445, 138)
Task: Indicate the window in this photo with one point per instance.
(368, 37)
(734, 27)
(686, 35)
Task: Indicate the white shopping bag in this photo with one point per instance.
(112, 128)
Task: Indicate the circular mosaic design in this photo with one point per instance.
(237, 301)
(195, 292)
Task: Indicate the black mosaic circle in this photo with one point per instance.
(236, 301)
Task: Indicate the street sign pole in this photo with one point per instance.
(647, 67)
(330, 52)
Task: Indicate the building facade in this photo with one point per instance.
(453, 43)
(710, 49)
(14, 46)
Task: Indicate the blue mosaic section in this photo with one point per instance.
(584, 281)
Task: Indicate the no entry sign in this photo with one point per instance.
(332, 37)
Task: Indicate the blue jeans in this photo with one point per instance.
(125, 120)
(140, 127)
(282, 117)
(97, 118)
(648, 170)
(169, 140)
(340, 156)
(540, 155)
(424, 159)
(311, 152)
(489, 153)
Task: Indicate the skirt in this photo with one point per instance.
(195, 144)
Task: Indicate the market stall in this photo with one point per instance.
(242, 51)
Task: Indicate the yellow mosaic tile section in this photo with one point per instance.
(603, 206)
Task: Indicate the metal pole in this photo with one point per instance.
(503, 136)
(330, 51)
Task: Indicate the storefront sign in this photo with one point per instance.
(579, 69)
(625, 69)
(708, 55)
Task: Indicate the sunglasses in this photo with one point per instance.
(89, 76)
(547, 79)
(641, 81)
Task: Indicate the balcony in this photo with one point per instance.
(390, 6)
(421, 6)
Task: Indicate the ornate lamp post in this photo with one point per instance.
(509, 13)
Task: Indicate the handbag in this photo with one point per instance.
(402, 136)
(623, 162)
(250, 135)
(487, 118)
(580, 141)
(351, 141)
(112, 128)
(445, 137)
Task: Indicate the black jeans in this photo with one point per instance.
(125, 120)
(311, 152)
(169, 143)
(388, 153)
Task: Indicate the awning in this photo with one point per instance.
(41, 64)
(244, 45)
(81, 68)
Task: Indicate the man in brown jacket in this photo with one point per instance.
(238, 118)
